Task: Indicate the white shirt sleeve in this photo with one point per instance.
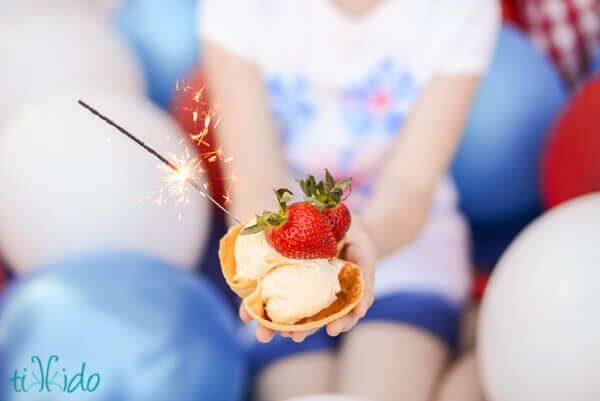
(469, 33)
(231, 25)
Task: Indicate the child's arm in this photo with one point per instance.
(398, 208)
(246, 131)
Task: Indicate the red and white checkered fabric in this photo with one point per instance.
(567, 30)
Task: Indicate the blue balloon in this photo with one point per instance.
(118, 327)
(163, 34)
(496, 167)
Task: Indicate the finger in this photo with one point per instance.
(264, 334)
(365, 303)
(366, 264)
(299, 336)
(362, 257)
(286, 334)
(244, 315)
(352, 254)
(341, 325)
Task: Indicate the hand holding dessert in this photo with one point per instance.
(286, 268)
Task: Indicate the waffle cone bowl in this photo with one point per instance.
(350, 278)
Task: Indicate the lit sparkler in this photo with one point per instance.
(176, 184)
(184, 174)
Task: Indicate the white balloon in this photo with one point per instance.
(71, 183)
(326, 397)
(539, 327)
(41, 54)
(14, 9)
(109, 7)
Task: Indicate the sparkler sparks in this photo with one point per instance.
(189, 168)
(199, 104)
(184, 173)
(199, 116)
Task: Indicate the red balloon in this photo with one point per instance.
(480, 280)
(510, 12)
(190, 107)
(571, 164)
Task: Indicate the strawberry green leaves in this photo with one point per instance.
(325, 194)
(270, 219)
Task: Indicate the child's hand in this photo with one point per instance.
(360, 249)
(263, 334)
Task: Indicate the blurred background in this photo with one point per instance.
(107, 261)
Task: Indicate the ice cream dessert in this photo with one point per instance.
(286, 282)
(285, 264)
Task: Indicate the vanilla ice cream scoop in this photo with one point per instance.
(254, 256)
(295, 291)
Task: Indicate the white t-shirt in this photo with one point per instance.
(341, 87)
(316, 37)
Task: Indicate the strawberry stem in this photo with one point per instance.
(325, 194)
(270, 219)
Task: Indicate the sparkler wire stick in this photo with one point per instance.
(160, 157)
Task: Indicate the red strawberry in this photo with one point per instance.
(339, 220)
(327, 197)
(305, 235)
(297, 231)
